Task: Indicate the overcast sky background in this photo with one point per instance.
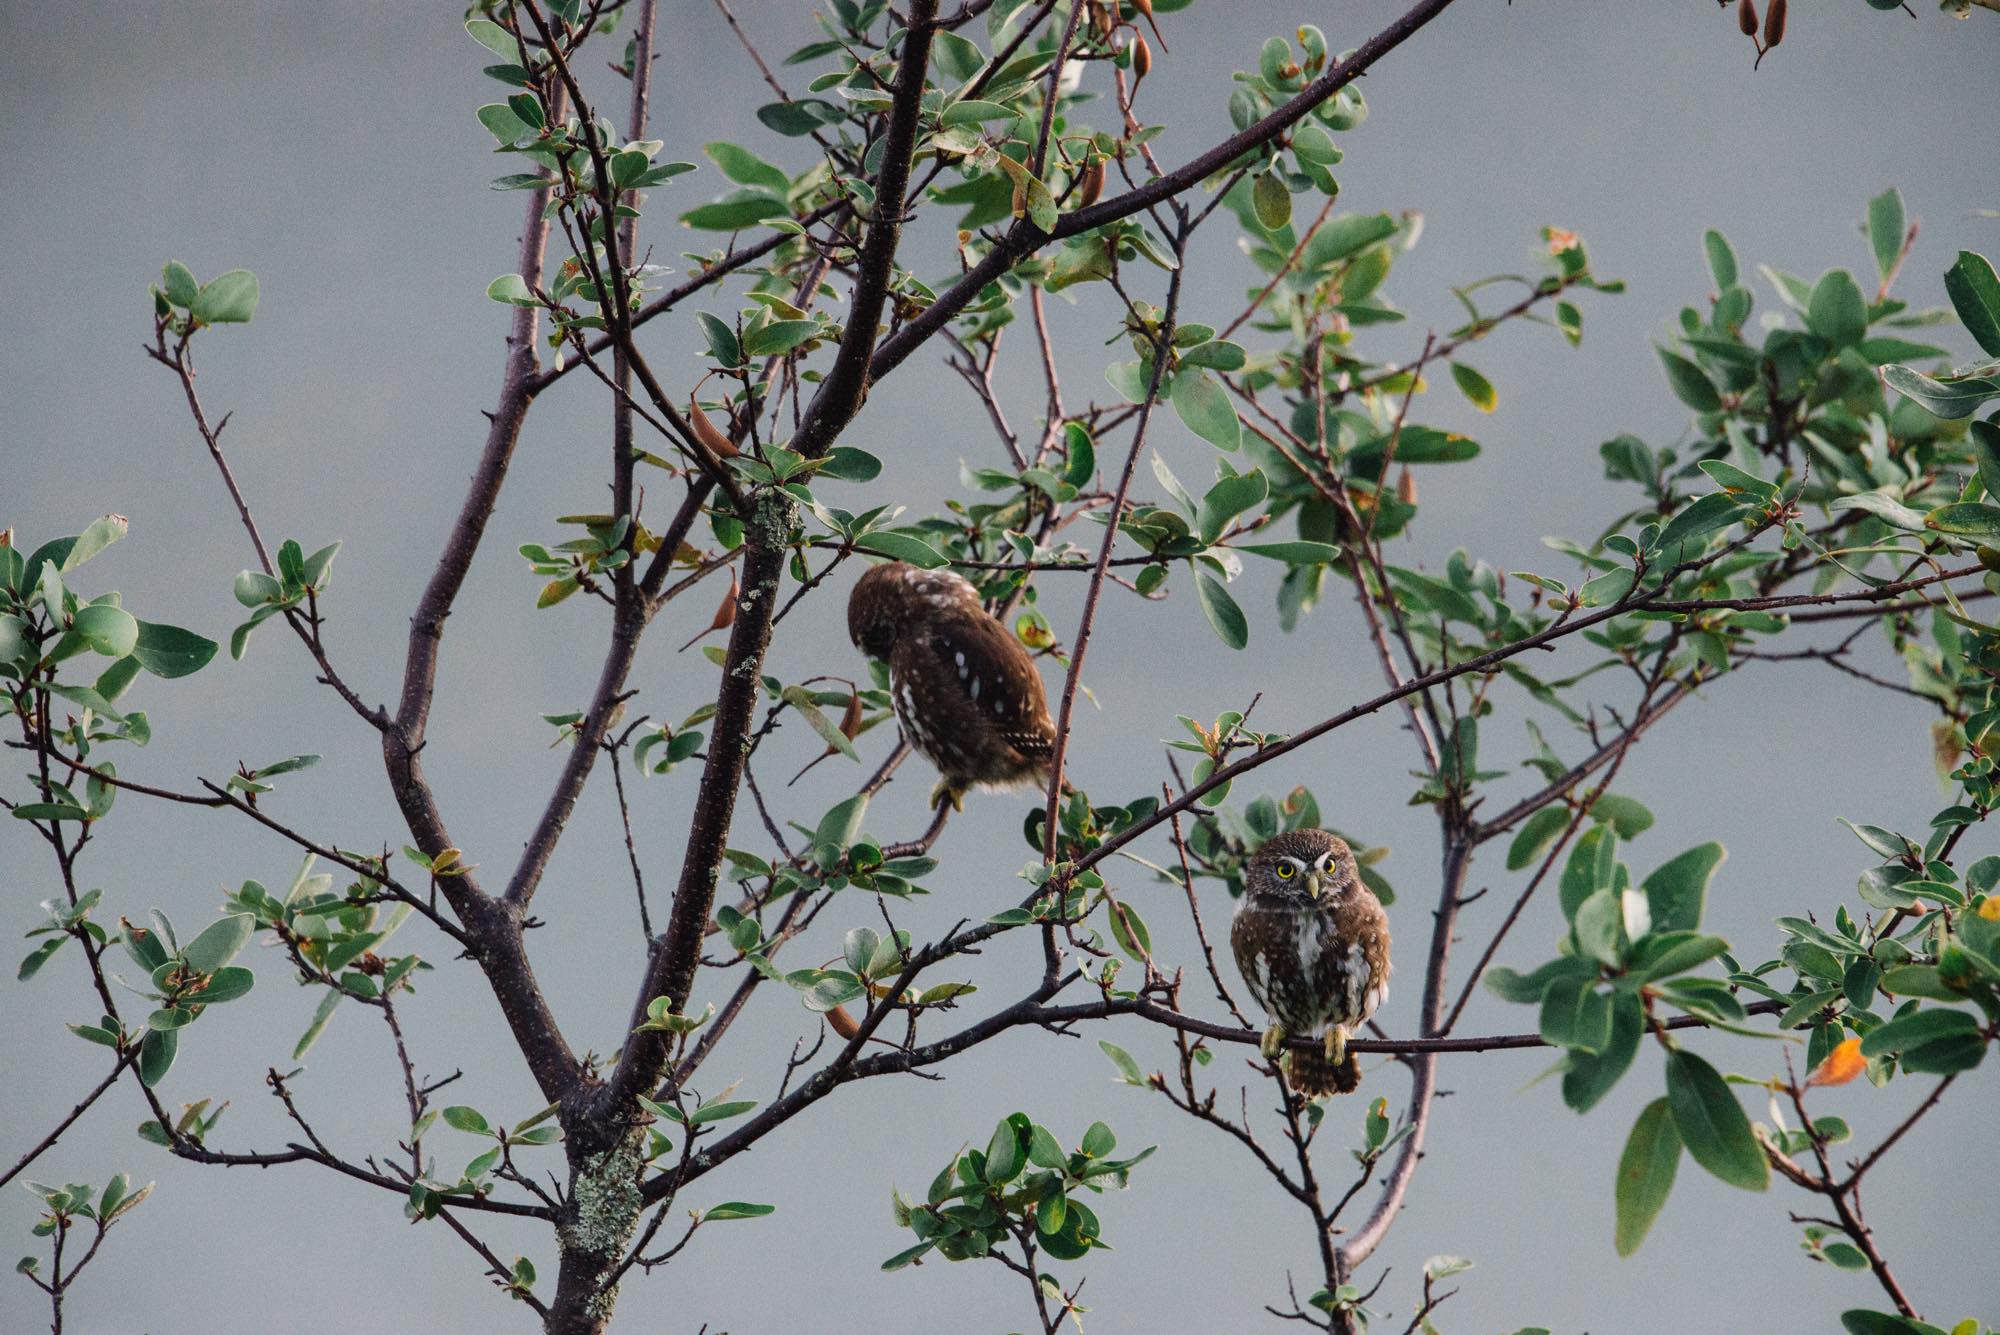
(332, 149)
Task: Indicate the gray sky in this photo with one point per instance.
(332, 149)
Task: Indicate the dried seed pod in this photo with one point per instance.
(1774, 24)
(1145, 8)
(725, 615)
(1091, 184)
(843, 1024)
(1746, 17)
(720, 445)
(1406, 486)
(850, 717)
(1142, 57)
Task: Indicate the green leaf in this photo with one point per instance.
(746, 168)
(1885, 230)
(1970, 519)
(1690, 383)
(156, 1055)
(735, 1210)
(1591, 1075)
(1476, 387)
(1711, 1123)
(1005, 1156)
(845, 463)
(169, 651)
(1223, 614)
(1721, 260)
(1933, 1040)
(230, 298)
(494, 38)
(1645, 1172)
(1623, 814)
(802, 117)
(1536, 834)
(716, 1112)
(1975, 295)
(1203, 404)
(1294, 553)
(109, 630)
(801, 700)
(1883, 507)
(98, 535)
(1272, 200)
(903, 547)
(321, 1015)
(1678, 889)
(177, 280)
(219, 942)
(1837, 311)
(838, 827)
(1228, 498)
(1860, 1322)
(1575, 1015)
(1128, 1071)
(462, 1118)
(511, 289)
(722, 343)
(779, 337)
(1947, 399)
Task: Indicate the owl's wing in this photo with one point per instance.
(979, 663)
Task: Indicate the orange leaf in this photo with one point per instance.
(1841, 1065)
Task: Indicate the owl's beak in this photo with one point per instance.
(1314, 884)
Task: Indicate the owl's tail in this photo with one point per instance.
(1311, 1074)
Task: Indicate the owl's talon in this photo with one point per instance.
(947, 791)
(1272, 1043)
(1336, 1044)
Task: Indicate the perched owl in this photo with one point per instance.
(966, 692)
(1313, 944)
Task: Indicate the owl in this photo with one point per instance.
(1313, 944)
(964, 689)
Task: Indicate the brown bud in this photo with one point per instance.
(1406, 487)
(843, 1024)
(1091, 184)
(1774, 23)
(1746, 17)
(725, 615)
(1142, 57)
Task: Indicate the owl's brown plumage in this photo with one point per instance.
(1313, 944)
(964, 689)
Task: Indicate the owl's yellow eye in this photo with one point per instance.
(1285, 871)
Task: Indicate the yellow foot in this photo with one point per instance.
(945, 792)
(1272, 1043)
(1336, 1045)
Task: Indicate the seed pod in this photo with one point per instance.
(1145, 7)
(1142, 57)
(725, 615)
(843, 1024)
(1091, 184)
(721, 446)
(850, 717)
(1774, 24)
(1406, 487)
(1746, 17)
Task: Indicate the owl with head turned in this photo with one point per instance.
(1312, 942)
(964, 689)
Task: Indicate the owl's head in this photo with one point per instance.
(890, 596)
(1304, 867)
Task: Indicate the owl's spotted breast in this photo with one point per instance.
(1308, 969)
